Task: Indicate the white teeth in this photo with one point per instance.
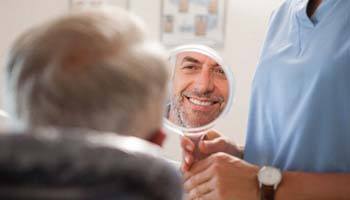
(200, 103)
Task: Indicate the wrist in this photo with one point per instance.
(269, 179)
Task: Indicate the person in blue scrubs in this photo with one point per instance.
(299, 119)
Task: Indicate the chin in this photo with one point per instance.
(198, 123)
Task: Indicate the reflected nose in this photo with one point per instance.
(204, 82)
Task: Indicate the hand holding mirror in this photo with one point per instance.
(201, 90)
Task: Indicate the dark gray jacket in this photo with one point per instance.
(70, 164)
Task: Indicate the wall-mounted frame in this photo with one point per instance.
(193, 21)
(81, 4)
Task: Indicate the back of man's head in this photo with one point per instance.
(93, 69)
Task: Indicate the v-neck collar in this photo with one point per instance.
(319, 14)
(305, 26)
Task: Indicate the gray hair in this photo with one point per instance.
(92, 69)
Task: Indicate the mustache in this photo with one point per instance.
(207, 95)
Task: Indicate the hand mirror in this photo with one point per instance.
(201, 90)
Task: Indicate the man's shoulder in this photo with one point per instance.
(68, 158)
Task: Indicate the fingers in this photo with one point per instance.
(198, 179)
(212, 135)
(198, 167)
(188, 148)
(213, 143)
(208, 196)
(202, 191)
(208, 146)
(219, 144)
(187, 144)
(187, 160)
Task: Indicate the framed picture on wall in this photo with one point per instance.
(81, 4)
(193, 21)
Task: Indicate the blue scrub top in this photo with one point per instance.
(300, 105)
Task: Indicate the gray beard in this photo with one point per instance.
(178, 114)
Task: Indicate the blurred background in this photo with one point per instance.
(245, 24)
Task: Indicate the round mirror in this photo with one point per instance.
(201, 89)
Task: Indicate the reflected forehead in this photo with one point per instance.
(196, 58)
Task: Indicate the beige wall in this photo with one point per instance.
(18, 15)
(246, 25)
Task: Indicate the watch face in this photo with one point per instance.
(269, 176)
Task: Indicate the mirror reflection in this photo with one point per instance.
(199, 89)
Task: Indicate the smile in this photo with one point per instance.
(200, 103)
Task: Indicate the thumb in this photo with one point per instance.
(210, 146)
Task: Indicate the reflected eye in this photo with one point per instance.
(219, 72)
(190, 68)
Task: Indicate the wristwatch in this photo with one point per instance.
(269, 178)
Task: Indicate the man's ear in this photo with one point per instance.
(158, 137)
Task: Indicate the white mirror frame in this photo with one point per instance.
(229, 75)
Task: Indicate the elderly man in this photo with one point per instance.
(91, 70)
(199, 90)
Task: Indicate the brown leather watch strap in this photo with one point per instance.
(267, 192)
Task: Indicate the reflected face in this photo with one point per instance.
(199, 90)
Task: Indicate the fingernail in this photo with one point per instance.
(187, 159)
(189, 148)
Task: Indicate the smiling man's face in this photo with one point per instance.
(199, 90)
